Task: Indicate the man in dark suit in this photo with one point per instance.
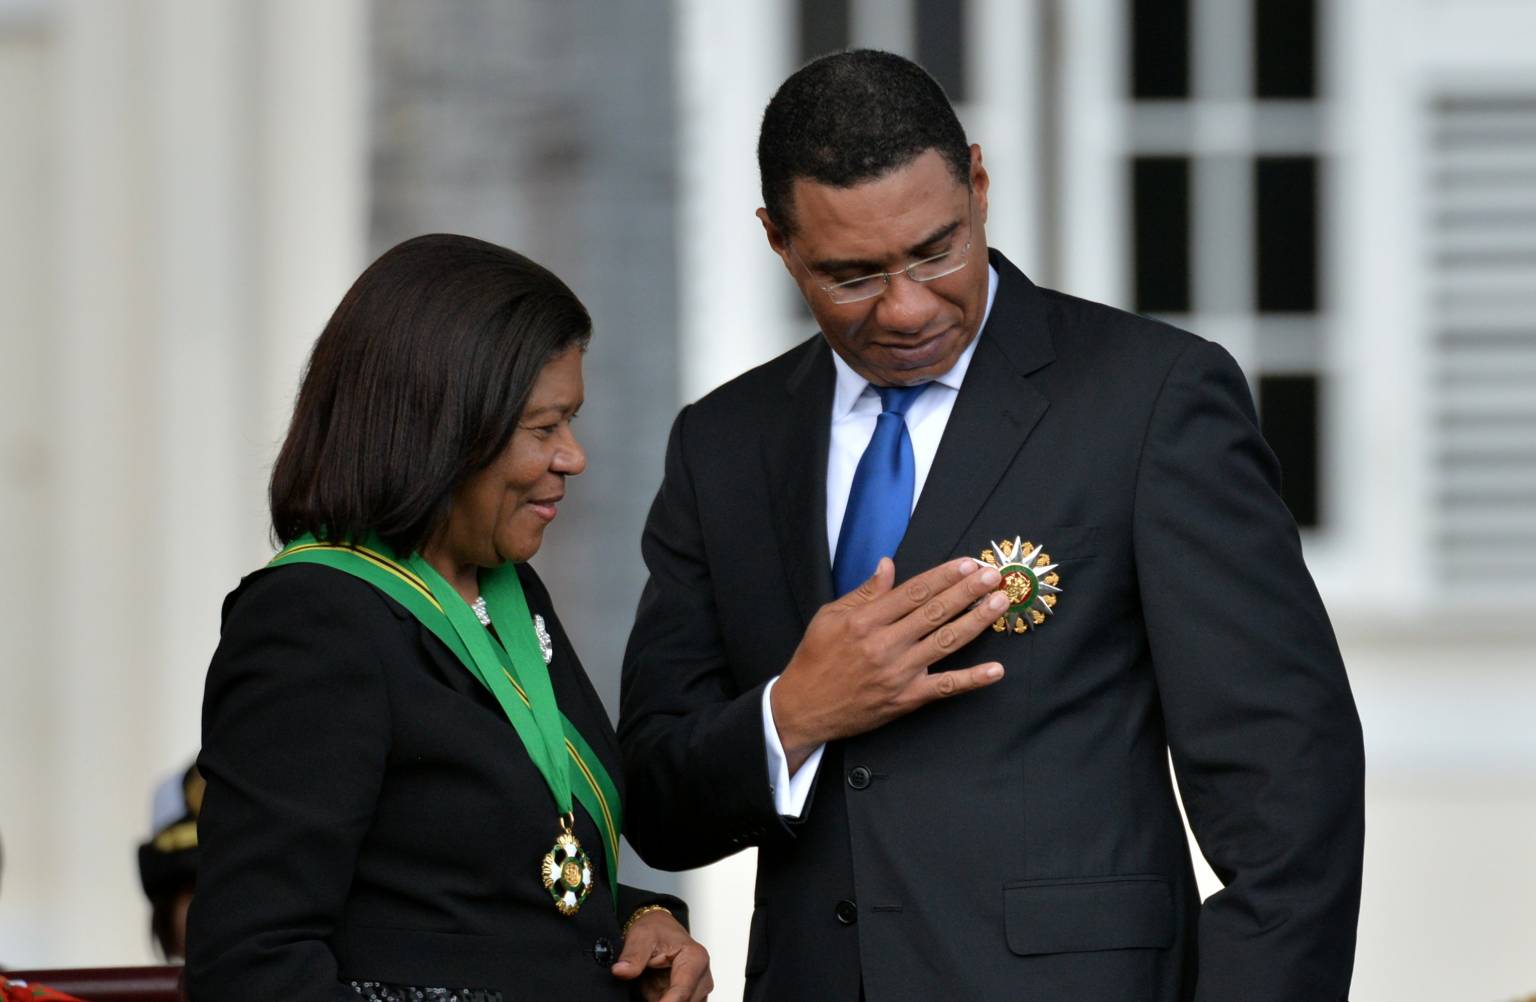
(1020, 840)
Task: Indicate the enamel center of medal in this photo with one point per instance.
(1020, 586)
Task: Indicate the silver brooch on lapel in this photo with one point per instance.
(546, 645)
(1029, 578)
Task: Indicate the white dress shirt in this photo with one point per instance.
(855, 408)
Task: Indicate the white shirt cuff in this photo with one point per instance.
(789, 792)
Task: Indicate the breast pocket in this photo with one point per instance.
(1064, 542)
(1065, 546)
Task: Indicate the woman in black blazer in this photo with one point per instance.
(412, 788)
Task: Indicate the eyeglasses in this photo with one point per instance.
(856, 290)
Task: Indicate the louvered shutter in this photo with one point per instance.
(1482, 265)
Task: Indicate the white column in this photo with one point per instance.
(733, 305)
(196, 347)
(259, 178)
(1381, 395)
(1095, 250)
(102, 615)
(731, 58)
(202, 195)
(311, 228)
(1003, 46)
(26, 444)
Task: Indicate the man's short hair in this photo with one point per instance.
(851, 117)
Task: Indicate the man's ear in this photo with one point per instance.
(979, 182)
(776, 238)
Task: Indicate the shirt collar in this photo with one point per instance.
(851, 385)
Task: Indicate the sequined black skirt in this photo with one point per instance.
(373, 991)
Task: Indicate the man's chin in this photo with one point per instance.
(924, 361)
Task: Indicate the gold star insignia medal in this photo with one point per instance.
(1029, 578)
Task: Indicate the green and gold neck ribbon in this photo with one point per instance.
(512, 668)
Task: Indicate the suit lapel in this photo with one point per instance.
(993, 414)
(795, 455)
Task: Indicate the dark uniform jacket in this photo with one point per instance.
(371, 814)
(1023, 841)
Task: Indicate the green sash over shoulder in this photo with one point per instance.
(513, 669)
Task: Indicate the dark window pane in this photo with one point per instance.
(941, 43)
(1160, 48)
(823, 27)
(1285, 207)
(1160, 205)
(1285, 48)
(1288, 417)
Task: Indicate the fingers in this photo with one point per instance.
(928, 688)
(690, 968)
(929, 611)
(639, 950)
(955, 634)
(916, 592)
(874, 586)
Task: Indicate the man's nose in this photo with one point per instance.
(905, 306)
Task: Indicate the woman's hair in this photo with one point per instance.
(417, 383)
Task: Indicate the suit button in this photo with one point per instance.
(858, 777)
(603, 953)
(846, 911)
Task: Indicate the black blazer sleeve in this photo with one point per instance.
(295, 681)
(690, 736)
(1265, 739)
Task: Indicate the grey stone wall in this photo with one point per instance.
(549, 127)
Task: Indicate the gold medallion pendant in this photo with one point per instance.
(567, 871)
(1029, 578)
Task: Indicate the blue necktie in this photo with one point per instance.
(880, 500)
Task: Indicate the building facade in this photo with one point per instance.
(1341, 192)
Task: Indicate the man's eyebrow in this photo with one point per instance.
(869, 267)
(942, 233)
